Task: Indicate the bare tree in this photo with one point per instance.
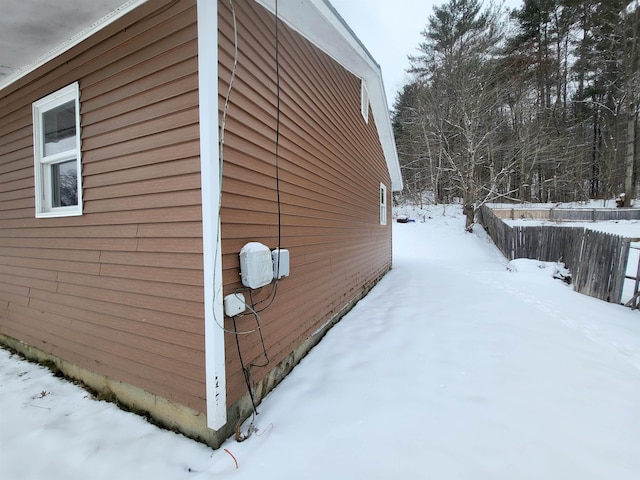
(461, 100)
(549, 113)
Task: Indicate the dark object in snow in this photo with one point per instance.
(620, 200)
(562, 273)
(402, 219)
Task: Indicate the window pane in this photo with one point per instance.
(383, 204)
(64, 184)
(60, 128)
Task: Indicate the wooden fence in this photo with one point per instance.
(569, 214)
(597, 260)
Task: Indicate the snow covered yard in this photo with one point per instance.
(456, 366)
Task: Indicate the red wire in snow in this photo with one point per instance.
(234, 458)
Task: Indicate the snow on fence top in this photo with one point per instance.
(569, 214)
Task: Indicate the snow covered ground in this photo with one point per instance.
(456, 366)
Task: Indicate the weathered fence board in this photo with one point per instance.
(500, 232)
(569, 214)
(597, 260)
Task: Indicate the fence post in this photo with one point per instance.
(621, 275)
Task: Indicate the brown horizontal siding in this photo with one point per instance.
(330, 169)
(110, 283)
(154, 156)
(10, 278)
(165, 215)
(153, 259)
(117, 290)
(140, 94)
(15, 143)
(112, 340)
(103, 358)
(71, 243)
(164, 125)
(110, 120)
(142, 316)
(12, 187)
(172, 184)
(181, 276)
(12, 205)
(145, 144)
(12, 122)
(13, 194)
(123, 327)
(183, 166)
(54, 265)
(102, 231)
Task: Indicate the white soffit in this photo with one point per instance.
(36, 31)
(322, 25)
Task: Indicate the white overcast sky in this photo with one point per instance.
(390, 29)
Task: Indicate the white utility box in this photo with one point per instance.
(280, 263)
(234, 304)
(256, 265)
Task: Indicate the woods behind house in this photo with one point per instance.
(534, 104)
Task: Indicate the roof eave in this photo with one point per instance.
(71, 42)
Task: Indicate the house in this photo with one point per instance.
(142, 150)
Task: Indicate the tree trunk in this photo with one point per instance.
(630, 153)
(470, 214)
(631, 114)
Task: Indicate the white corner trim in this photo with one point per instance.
(210, 186)
(73, 41)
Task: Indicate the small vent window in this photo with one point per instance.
(364, 100)
(383, 204)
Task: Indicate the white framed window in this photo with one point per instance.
(364, 100)
(383, 204)
(56, 145)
